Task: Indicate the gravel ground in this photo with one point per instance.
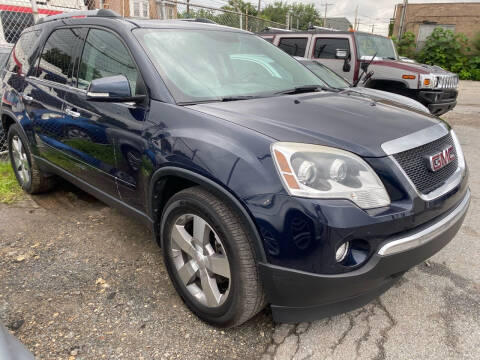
(79, 280)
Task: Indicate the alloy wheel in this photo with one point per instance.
(20, 160)
(200, 260)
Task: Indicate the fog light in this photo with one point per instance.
(342, 252)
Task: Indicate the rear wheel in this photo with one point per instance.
(210, 259)
(28, 175)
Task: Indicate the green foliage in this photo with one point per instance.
(451, 52)
(10, 191)
(406, 45)
(476, 42)
(305, 13)
(241, 6)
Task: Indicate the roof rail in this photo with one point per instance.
(105, 13)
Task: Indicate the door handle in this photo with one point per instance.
(27, 97)
(72, 113)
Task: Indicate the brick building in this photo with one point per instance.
(148, 9)
(421, 19)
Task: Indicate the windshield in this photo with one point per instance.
(369, 45)
(206, 65)
(326, 75)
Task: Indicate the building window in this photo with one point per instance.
(139, 8)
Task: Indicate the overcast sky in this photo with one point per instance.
(370, 12)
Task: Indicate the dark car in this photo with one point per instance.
(262, 185)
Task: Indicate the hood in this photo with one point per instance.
(413, 67)
(346, 120)
(375, 94)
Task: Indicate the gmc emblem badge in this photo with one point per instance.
(441, 159)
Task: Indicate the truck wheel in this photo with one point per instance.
(28, 175)
(210, 260)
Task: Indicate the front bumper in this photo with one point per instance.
(440, 101)
(297, 296)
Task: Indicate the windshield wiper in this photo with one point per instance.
(302, 89)
(239, 97)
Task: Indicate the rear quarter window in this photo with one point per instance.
(293, 46)
(21, 56)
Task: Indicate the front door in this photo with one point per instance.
(325, 51)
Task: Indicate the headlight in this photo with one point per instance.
(322, 172)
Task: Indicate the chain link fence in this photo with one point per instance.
(16, 15)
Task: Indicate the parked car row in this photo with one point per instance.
(350, 53)
(264, 181)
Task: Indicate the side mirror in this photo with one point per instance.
(364, 65)
(341, 54)
(112, 89)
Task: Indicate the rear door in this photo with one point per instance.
(105, 137)
(294, 45)
(46, 88)
(325, 48)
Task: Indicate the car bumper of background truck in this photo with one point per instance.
(297, 296)
(438, 102)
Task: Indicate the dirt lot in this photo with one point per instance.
(79, 280)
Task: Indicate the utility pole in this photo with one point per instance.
(325, 15)
(34, 11)
(402, 19)
(258, 8)
(356, 18)
(373, 28)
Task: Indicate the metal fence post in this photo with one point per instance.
(34, 10)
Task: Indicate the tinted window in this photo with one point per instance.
(19, 61)
(57, 55)
(326, 48)
(211, 65)
(293, 46)
(105, 55)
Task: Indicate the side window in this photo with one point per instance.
(326, 48)
(105, 55)
(58, 53)
(293, 46)
(19, 61)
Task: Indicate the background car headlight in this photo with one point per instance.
(322, 172)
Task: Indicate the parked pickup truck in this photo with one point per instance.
(349, 54)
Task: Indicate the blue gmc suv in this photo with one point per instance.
(262, 184)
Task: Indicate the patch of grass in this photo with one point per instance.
(10, 191)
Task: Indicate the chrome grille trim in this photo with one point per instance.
(415, 139)
(450, 184)
(449, 81)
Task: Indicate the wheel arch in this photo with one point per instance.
(167, 181)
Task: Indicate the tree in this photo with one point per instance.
(305, 13)
(406, 45)
(242, 6)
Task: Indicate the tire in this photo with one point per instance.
(29, 176)
(240, 293)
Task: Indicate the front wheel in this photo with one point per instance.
(210, 259)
